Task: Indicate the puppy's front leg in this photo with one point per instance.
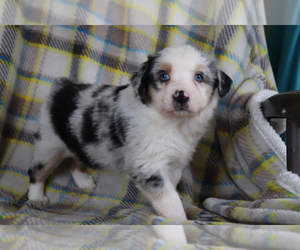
(159, 190)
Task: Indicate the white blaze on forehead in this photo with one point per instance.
(182, 59)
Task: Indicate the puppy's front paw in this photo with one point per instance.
(172, 233)
(83, 180)
(36, 194)
(41, 202)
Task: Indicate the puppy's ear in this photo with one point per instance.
(223, 83)
(143, 78)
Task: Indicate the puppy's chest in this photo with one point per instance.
(167, 143)
(173, 146)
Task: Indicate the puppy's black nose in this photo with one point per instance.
(181, 97)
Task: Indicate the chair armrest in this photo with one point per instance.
(287, 105)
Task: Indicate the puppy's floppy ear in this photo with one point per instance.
(143, 78)
(223, 83)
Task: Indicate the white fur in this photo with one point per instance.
(83, 180)
(36, 193)
(172, 233)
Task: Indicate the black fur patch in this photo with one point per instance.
(37, 135)
(223, 85)
(31, 176)
(102, 107)
(147, 80)
(100, 90)
(64, 103)
(89, 128)
(32, 172)
(144, 78)
(118, 131)
(118, 90)
(155, 181)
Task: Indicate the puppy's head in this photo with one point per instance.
(179, 81)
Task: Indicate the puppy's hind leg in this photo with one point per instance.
(80, 175)
(45, 161)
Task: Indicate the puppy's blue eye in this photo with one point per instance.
(198, 77)
(164, 77)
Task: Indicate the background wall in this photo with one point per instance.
(284, 48)
(282, 11)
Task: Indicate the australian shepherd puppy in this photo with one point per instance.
(147, 130)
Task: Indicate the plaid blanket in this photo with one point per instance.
(147, 12)
(237, 177)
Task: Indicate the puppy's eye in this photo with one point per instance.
(199, 77)
(164, 77)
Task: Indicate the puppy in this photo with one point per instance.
(148, 129)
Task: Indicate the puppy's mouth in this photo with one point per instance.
(182, 112)
(181, 108)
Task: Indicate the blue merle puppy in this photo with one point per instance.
(147, 129)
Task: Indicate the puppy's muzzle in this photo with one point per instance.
(180, 100)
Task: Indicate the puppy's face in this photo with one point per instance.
(179, 81)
